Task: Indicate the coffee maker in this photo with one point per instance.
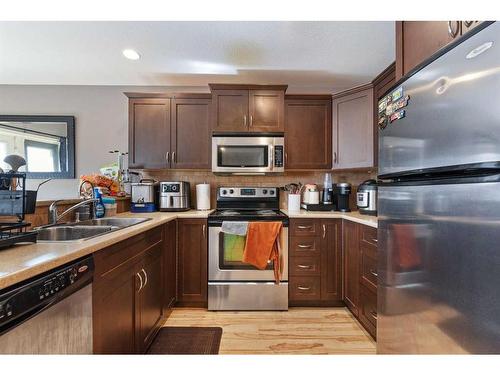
(341, 193)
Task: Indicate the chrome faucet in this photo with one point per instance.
(54, 217)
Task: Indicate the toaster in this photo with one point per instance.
(144, 196)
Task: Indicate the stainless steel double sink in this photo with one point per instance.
(86, 229)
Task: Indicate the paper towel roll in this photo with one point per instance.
(203, 196)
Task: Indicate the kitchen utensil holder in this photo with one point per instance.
(294, 202)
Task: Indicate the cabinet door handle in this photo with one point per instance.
(304, 246)
(251, 120)
(335, 157)
(375, 240)
(451, 32)
(304, 226)
(146, 277)
(167, 156)
(286, 157)
(140, 279)
(303, 288)
(373, 314)
(304, 267)
(324, 230)
(204, 230)
(245, 121)
(174, 160)
(374, 273)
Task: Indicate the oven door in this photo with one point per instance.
(242, 154)
(225, 259)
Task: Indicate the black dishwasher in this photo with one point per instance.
(50, 313)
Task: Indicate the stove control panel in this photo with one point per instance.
(247, 192)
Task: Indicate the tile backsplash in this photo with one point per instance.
(315, 177)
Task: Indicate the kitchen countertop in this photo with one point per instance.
(352, 216)
(22, 262)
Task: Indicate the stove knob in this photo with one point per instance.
(264, 191)
(231, 191)
(224, 192)
(271, 192)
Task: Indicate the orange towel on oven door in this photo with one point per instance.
(262, 245)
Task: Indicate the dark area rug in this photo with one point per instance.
(187, 340)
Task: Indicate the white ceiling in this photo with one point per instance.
(314, 56)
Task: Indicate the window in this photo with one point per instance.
(41, 157)
(3, 154)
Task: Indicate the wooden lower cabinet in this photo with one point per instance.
(193, 263)
(351, 265)
(360, 273)
(128, 293)
(315, 271)
(170, 265)
(149, 298)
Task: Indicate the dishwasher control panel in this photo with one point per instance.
(34, 294)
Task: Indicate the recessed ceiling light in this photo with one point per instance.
(131, 54)
(479, 50)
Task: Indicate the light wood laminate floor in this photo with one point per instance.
(297, 331)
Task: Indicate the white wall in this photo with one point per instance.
(101, 121)
(101, 118)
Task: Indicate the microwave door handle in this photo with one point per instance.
(271, 157)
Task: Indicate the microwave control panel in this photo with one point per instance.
(278, 156)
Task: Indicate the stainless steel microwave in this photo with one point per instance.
(248, 155)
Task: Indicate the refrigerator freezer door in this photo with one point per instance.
(453, 113)
(439, 269)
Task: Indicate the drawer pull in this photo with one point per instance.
(303, 288)
(373, 314)
(304, 246)
(324, 230)
(304, 267)
(141, 281)
(374, 273)
(304, 226)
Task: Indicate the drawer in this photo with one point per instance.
(368, 310)
(369, 267)
(113, 256)
(304, 288)
(305, 227)
(369, 235)
(305, 246)
(304, 266)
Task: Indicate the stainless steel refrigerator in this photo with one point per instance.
(439, 204)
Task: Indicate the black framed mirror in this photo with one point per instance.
(46, 142)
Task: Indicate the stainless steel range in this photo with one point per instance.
(233, 284)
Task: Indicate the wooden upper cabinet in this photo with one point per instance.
(308, 132)
(191, 133)
(230, 110)
(381, 84)
(149, 132)
(247, 108)
(353, 128)
(418, 40)
(169, 130)
(266, 110)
